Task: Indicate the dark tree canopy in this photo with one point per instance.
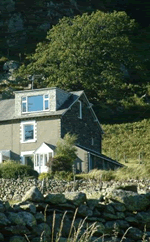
(91, 52)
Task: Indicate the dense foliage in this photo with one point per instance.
(65, 154)
(12, 169)
(95, 53)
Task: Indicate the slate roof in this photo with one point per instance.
(7, 108)
(92, 152)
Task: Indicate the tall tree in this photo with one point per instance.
(90, 52)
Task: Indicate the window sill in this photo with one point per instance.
(40, 111)
(28, 141)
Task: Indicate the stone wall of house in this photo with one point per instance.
(124, 211)
(72, 123)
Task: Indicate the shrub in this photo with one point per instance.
(63, 175)
(65, 154)
(61, 163)
(45, 175)
(13, 169)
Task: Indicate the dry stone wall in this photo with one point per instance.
(15, 189)
(126, 211)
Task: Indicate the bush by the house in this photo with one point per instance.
(45, 175)
(12, 169)
(65, 154)
(63, 175)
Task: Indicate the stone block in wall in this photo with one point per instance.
(3, 220)
(28, 218)
(15, 218)
(135, 234)
(33, 195)
(84, 211)
(55, 198)
(131, 200)
(76, 198)
(42, 228)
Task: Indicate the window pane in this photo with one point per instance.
(24, 107)
(41, 160)
(50, 155)
(28, 132)
(37, 160)
(45, 159)
(35, 103)
(46, 104)
(46, 96)
(23, 98)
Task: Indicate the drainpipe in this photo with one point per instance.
(89, 161)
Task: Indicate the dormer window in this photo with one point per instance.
(35, 103)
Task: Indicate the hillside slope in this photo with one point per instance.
(127, 141)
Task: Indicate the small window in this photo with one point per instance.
(80, 109)
(28, 131)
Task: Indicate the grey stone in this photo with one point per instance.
(135, 233)
(119, 207)
(28, 218)
(132, 219)
(17, 197)
(29, 208)
(17, 229)
(109, 216)
(2, 208)
(33, 195)
(39, 217)
(144, 218)
(120, 215)
(15, 218)
(42, 229)
(3, 220)
(92, 203)
(132, 187)
(116, 226)
(55, 198)
(109, 209)
(100, 228)
(131, 200)
(83, 210)
(76, 198)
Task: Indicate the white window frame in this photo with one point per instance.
(33, 122)
(26, 102)
(80, 109)
(43, 161)
(44, 100)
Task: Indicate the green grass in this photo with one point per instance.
(125, 173)
(128, 142)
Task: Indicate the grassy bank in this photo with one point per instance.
(127, 142)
